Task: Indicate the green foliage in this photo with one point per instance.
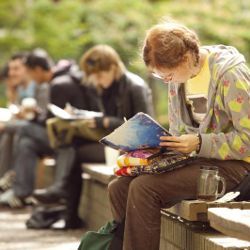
(67, 28)
(3, 100)
(217, 22)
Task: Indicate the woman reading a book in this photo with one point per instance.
(209, 116)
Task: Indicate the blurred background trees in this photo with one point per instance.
(66, 28)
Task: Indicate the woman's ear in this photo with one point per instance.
(190, 59)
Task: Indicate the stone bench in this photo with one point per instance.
(94, 205)
(234, 222)
(183, 226)
(180, 234)
(196, 210)
(45, 172)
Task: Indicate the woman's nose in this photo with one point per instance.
(168, 78)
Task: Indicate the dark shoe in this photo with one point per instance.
(49, 196)
(44, 217)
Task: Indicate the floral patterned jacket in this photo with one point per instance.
(225, 130)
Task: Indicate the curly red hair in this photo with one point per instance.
(166, 45)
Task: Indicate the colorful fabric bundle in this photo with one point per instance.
(133, 160)
(154, 164)
(136, 158)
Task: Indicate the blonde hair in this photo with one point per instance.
(166, 45)
(101, 58)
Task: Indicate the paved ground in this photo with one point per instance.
(15, 236)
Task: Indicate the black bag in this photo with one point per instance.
(44, 217)
(244, 189)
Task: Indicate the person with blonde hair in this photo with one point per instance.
(122, 93)
(119, 94)
(209, 116)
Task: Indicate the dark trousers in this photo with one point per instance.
(32, 143)
(140, 199)
(8, 140)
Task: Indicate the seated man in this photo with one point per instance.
(121, 94)
(18, 87)
(33, 140)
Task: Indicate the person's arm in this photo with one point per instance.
(235, 100)
(111, 122)
(66, 92)
(60, 94)
(141, 98)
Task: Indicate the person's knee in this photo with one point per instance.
(26, 143)
(139, 186)
(113, 186)
(118, 186)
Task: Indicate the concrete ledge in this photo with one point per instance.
(99, 172)
(180, 234)
(45, 172)
(94, 206)
(195, 210)
(233, 222)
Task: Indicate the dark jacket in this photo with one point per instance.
(132, 96)
(65, 88)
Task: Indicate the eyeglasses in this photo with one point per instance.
(165, 77)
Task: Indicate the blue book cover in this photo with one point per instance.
(139, 132)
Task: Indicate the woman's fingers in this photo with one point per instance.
(184, 143)
(170, 138)
(170, 144)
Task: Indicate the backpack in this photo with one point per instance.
(43, 217)
(108, 237)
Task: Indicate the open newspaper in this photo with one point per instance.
(78, 114)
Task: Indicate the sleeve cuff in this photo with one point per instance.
(206, 146)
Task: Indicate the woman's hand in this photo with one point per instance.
(184, 143)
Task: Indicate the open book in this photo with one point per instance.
(78, 114)
(139, 132)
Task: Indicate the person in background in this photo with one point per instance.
(120, 94)
(18, 83)
(18, 87)
(33, 141)
(218, 133)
